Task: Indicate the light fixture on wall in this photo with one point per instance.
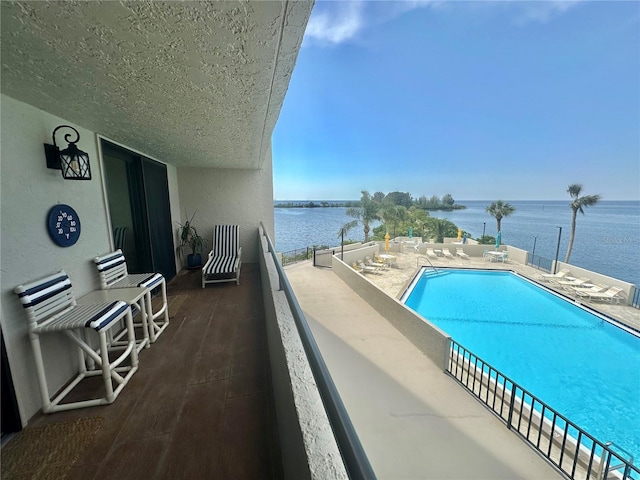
(73, 162)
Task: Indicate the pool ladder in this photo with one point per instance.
(612, 468)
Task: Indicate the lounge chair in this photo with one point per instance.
(586, 289)
(431, 253)
(550, 276)
(51, 308)
(447, 253)
(573, 282)
(112, 269)
(461, 253)
(367, 269)
(610, 295)
(225, 259)
(371, 263)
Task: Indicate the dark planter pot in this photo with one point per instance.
(194, 260)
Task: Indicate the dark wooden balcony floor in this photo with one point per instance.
(200, 405)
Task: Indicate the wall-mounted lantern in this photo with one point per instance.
(73, 162)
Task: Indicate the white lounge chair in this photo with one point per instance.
(581, 289)
(550, 276)
(371, 263)
(610, 295)
(431, 253)
(447, 253)
(461, 254)
(225, 259)
(573, 282)
(369, 268)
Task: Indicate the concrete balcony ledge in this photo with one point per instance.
(308, 446)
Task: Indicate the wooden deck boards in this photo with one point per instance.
(200, 405)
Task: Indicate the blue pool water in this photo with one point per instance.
(578, 363)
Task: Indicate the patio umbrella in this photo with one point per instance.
(410, 232)
(386, 242)
(498, 240)
(464, 237)
(459, 234)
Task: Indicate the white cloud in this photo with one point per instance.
(336, 24)
(542, 11)
(336, 21)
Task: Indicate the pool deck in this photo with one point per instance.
(395, 280)
(413, 420)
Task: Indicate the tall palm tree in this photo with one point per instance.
(366, 213)
(576, 205)
(393, 215)
(499, 210)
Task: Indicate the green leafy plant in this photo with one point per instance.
(190, 238)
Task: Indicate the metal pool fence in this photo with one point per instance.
(539, 262)
(293, 256)
(569, 448)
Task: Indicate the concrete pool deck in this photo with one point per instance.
(394, 281)
(413, 420)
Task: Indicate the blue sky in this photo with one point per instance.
(484, 100)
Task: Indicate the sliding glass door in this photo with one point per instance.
(138, 196)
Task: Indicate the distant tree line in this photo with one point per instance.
(312, 204)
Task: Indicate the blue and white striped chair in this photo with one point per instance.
(51, 308)
(113, 272)
(225, 259)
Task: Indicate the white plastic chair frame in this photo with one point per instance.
(51, 308)
(113, 272)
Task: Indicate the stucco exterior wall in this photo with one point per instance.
(28, 190)
(309, 449)
(229, 196)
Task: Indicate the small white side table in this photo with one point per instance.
(132, 296)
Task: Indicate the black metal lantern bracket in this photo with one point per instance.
(73, 162)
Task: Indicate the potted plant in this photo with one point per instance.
(190, 239)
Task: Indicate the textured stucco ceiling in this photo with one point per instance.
(190, 83)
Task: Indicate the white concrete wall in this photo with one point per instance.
(307, 443)
(597, 278)
(429, 339)
(227, 196)
(28, 190)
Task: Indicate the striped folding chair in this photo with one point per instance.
(224, 260)
(51, 308)
(113, 272)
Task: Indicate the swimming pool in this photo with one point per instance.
(585, 367)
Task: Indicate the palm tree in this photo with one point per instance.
(499, 210)
(366, 213)
(393, 214)
(438, 228)
(577, 205)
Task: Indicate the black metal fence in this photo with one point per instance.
(569, 448)
(539, 262)
(293, 256)
(635, 300)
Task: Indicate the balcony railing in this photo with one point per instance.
(569, 448)
(353, 455)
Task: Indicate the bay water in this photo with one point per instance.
(607, 236)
